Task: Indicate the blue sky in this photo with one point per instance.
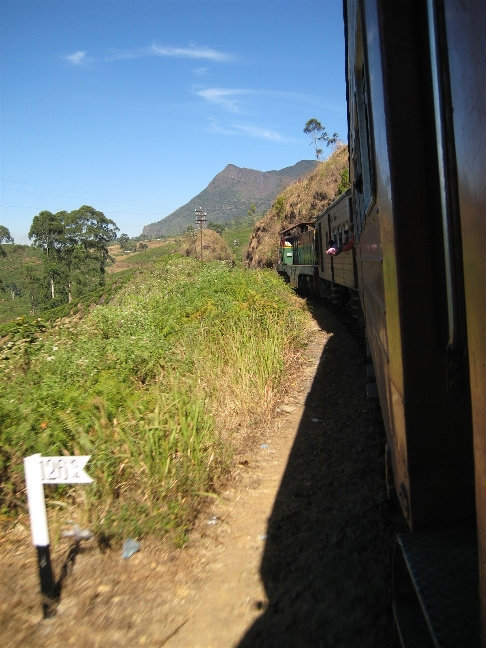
(134, 106)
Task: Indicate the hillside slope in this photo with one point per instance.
(303, 200)
(229, 195)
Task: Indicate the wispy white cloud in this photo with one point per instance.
(77, 58)
(200, 71)
(216, 127)
(125, 55)
(260, 133)
(224, 97)
(168, 51)
(192, 52)
(249, 130)
(231, 99)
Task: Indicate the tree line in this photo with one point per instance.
(74, 254)
(75, 249)
(5, 237)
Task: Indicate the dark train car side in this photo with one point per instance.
(306, 261)
(297, 262)
(336, 255)
(416, 92)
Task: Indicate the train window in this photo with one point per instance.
(320, 240)
(361, 153)
(349, 207)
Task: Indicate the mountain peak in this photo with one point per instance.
(230, 194)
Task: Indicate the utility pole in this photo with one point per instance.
(200, 222)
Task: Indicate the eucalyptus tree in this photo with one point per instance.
(71, 254)
(318, 133)
(4, 238)
(31, 277)
(124, 241)
(75, 246)
(94, 232)
(5, 235)
(47, 233)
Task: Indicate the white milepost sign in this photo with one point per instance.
(41, 470)
(64, 470)
(48, 470)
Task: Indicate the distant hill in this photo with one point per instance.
(229, 195)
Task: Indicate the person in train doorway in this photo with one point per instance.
(348, 241)
(333, 249)
(348, 244)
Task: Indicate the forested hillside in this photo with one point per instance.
(20, 277)
(69, 259)
(25, 284)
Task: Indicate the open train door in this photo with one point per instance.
(460, 78)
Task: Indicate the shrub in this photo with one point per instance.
(156, 385)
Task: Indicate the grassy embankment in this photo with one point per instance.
(159, 385)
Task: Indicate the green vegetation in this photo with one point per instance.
(5, 237)
(236, 233)
(126, 243)
(344, 184)
(68, 259)
(237, 238)
(148, 255)
(20, 277)
(158, 385)
(10, 316)
(75, 251)
(279, 207)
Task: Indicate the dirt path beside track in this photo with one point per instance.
(295, 552)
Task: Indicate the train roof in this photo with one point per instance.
(298, 228)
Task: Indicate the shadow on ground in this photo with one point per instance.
(326, 564)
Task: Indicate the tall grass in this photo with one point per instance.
(158, 386)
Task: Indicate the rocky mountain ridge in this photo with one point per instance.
(229, 196)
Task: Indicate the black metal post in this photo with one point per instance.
(47, 584)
